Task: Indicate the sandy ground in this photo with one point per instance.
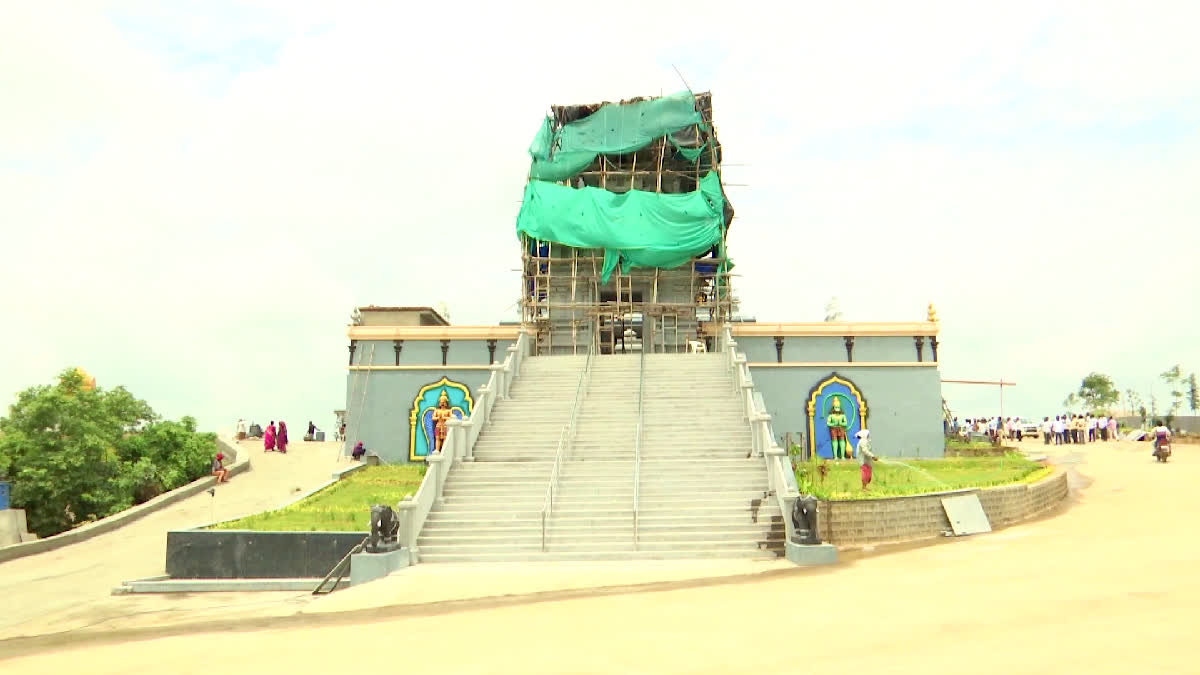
(70, 588)
(1108, 585)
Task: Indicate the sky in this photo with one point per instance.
(194, 195)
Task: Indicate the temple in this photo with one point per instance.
(622, 238)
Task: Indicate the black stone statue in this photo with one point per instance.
(385, 530)
(804, 518)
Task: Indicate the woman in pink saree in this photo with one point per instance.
(281, 438)
(269, 437)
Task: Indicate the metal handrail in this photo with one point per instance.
(637, 447)
(564, 441)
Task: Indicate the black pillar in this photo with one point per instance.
(778, 349)
(920, 342)
(397, 346)
(849, 348)
(933, 342)
(353, 346)
(445, 350)
(491, 351)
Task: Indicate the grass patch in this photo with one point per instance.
(920, 476)
(344, 506)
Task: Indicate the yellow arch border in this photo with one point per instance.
(812, 407)
(412, 415)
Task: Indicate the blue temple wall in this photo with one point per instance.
(904, 402)
(381, 420)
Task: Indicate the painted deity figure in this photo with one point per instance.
(441, 414)
(838, 426)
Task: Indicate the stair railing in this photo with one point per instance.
(781, 481)
(565, 440)
(459, 445)
(637, 446)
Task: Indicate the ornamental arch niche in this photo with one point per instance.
(817, 410)
(421, 428)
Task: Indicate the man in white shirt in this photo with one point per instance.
(1047, 429)
(1102, 427)
(1059, 430)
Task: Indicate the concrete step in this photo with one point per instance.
(558, 556)
(592, 539)
(555, 525)
(604, 547)
(647, 520)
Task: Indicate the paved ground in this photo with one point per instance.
(1109, 585)
(69, 588)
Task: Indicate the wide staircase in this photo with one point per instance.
(698, 493)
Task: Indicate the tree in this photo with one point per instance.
(1193, 393)
(1071, 402)
(1175, 384)
(1132, 402)
(1097, 392)
(76, 453)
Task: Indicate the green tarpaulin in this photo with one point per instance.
(613, 129)
(644, 229)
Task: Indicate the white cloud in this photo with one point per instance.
(204, 242)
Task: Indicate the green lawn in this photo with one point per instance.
(890, 479)
(344, 506)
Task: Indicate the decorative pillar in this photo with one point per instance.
(849, 348)
(491, 352)
(445, 350)
(353, 346)
(933, 342)
(920, 342)
(397, 346)
(778, 349)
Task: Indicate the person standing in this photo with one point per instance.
(1112, 428)
(269, 437)
(281, 439)
(240, 430)
(866, 458)
(1060, 429)
(1047, 429)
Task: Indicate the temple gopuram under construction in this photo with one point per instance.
(623, 228)
(630, 398)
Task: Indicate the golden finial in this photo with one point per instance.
(89, 382)
(932, 318)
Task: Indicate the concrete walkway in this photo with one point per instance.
(1109, 585)
(70, 588)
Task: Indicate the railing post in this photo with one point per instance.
(773, 453)
(404, 513)
(498, 371)
(434, 463)
(456, 435)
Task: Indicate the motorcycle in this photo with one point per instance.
(1162, 450)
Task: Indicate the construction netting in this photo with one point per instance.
(638, 228)
(614, 129)
(642, 229)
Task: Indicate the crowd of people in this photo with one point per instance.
(1078, 429)
(1061, 430)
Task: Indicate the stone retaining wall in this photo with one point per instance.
(895, 519)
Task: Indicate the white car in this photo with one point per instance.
(1030, 429)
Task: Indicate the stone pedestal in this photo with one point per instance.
(816, 554)
(366, 567)
(13, 529)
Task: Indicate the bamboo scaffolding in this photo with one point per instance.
(563, 310)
